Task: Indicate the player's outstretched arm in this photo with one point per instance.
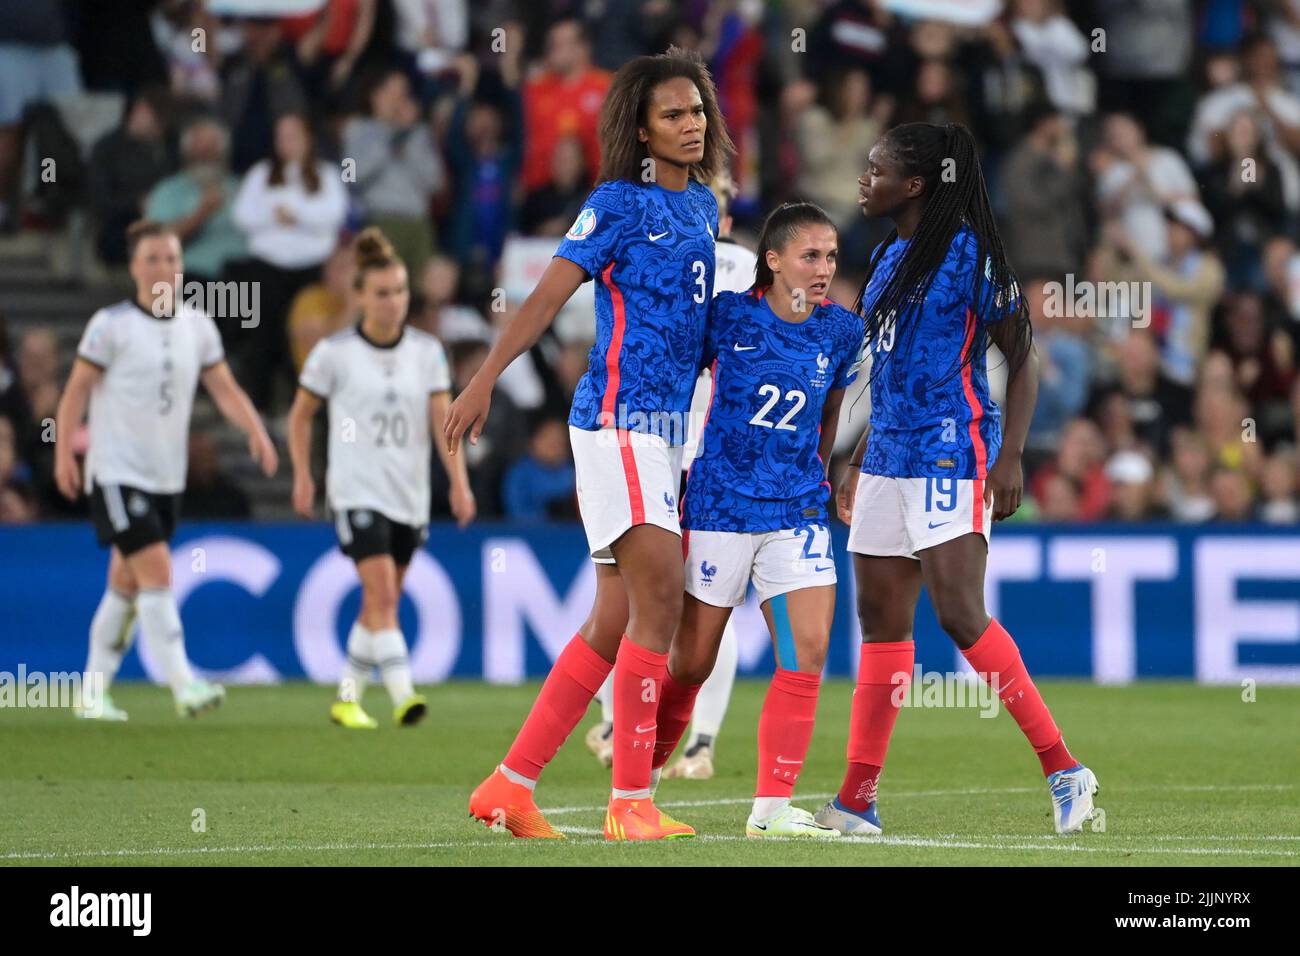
(233, 403)
(72, 409)
(463, 505)
(301, 415)
(469, 411)
(1006, 481)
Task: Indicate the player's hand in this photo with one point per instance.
(468, 412)
(262, 450)
(304, 495)
(1004, 486)
(67, 475)
(463, 506)
(845, 494)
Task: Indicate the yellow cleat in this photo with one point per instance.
(411, 711)
(348, 713)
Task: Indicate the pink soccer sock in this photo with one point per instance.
(785, 729)
(884, 672)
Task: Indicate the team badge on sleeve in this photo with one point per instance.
(583, 226)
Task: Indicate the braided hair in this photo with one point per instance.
(923, 149)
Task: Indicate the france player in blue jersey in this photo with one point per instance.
(645, 235)
(939, 461)
(755, 506)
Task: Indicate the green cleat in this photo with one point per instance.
(105, 711)
(411, 711)
(198, 696)
(348, 713)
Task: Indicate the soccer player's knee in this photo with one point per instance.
(961, 620)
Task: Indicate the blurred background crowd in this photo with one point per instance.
(1124, 141)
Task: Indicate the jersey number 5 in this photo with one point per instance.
(774, 395)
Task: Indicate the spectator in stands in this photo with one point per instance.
(857, 33)
(564, 99)
(429, 36)
(1081, 457)
(1147, 60)
(124, 166)
(324, 307)
(1132, 486)
(1136, 182)
(1156, 403)
(1060, 501)
(1233, 500)
(191, 66)
(1187, 478)
(210, 494)
(1065, 366)
(197, 201)
(1278, 503)
(936, 97)
(1185, 281)
(1282, 277)
(1263, 358)
(1049, 40)
(1045, 228)
(540, 485)
(1243, 192)
(398, 168)
(483, 149)
(330, 44)
(550, 210)
(834, 136)
(1223, 418)
(439, 313)
(1260, 92)
(291, 208)
(258, 84)
(36, 65)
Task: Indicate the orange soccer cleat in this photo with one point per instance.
(642, 820)
(500, 802)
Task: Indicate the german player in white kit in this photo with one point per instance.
(137, 368)
(388, 388)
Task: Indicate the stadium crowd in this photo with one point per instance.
(1144, 156)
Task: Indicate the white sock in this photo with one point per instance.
(394, 665)
(715, 695)
(765, 808)
(606, 697)
(631, 794)
(655, 774)
(110, 638)
(160, 625)
(360, 662)
(518, 778)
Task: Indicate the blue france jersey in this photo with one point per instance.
(759, 468)
(650, 251)
(931, 416)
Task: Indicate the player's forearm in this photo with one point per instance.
(860, 449)
(300, 439)
(68, 415)
(1022, 394)
(457, 471)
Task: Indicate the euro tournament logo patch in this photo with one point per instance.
(583, 226)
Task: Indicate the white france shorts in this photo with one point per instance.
(625, 478)
(897, 517)
(720, 564)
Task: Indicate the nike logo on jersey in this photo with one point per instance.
(646, 729)
(780, 759)
(939, 525)
(744, 348)
(827, 568)
(654, 238)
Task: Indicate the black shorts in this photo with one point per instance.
(130, 518)
(364, 533)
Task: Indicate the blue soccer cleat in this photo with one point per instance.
(849, 822)
(1072, 792)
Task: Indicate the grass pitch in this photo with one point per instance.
(1190, 776)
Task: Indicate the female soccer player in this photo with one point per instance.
(647, 232)
(137, 368)
(388, 390)
(755, 501)
(937, 465)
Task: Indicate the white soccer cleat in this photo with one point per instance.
(790, 821)
(105, 711)
(198, 696)
(600, 741)
(849, 822)
(695, 764)
(1072, 792)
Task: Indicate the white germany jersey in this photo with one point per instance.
(733, 272)
(140, 410)
(379, 441)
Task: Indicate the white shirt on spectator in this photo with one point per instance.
(1143, 210)
(311, 238)
(1056, 47)
(1214, 114)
